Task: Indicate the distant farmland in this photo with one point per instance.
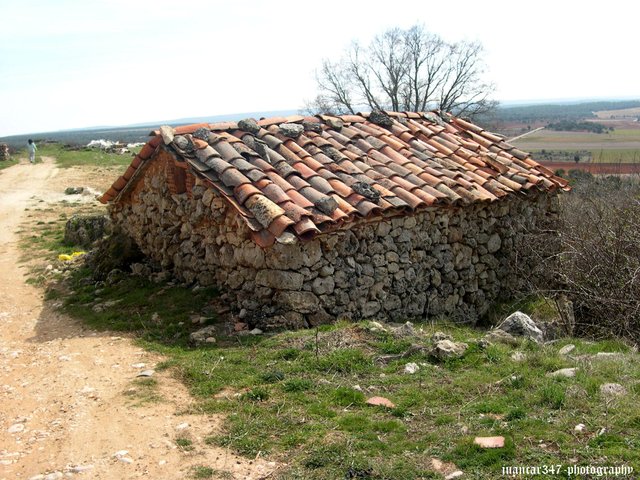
(618, 146)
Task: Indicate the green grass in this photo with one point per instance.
(301, 399)
(9, 163)
(69, 158)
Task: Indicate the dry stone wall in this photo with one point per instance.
(443, 263)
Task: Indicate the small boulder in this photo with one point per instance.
(454, 475)
(376, 327)
(203, 335)
(84, 230)
(500, 336)
(411, 368)
(438, 336)
(563, 372)
(520, 325)
(405, 331)
(446, 349)
(518, 357)
(567, 349)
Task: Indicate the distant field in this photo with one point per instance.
(619, 146)
(593, 156)
(622, 113)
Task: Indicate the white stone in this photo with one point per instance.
(518, 356)
(563, 372)
(579, 428)
(16, 428)
(520, 324)
(445, 349)
(53, 476)
(182, 426)
(81, 468)
(567, 349)
(454, 475)
(411, 368)
(256, 331)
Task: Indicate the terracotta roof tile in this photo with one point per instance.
(146, 151)
(305, 185)
(244, 191)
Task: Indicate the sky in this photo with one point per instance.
(80, 63)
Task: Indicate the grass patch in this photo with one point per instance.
(184, 443)
(143, 391)
(9, 163)
(89, 156)
(300, 396)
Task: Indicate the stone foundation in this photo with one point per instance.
(451, 263)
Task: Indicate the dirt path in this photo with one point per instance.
(69, 404)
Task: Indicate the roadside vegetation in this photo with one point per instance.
(77, 156)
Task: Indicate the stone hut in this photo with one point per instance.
(302, 220)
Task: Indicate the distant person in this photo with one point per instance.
(32, 151)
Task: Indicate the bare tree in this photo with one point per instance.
(411, 70)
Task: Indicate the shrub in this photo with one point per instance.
(598, 265)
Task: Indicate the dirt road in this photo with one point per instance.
(68, 399)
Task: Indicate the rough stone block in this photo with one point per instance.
(280, 279)
(301, 302)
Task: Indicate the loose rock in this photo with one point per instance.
(446, 349)
(16, 428)
(518, 357)
(411, 368)
(563, 372)
(438, 336)
(567, 349)
(200, 336)
(500, 336)
(521, 325)
(454, 475)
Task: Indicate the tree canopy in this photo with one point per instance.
(405, 70)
